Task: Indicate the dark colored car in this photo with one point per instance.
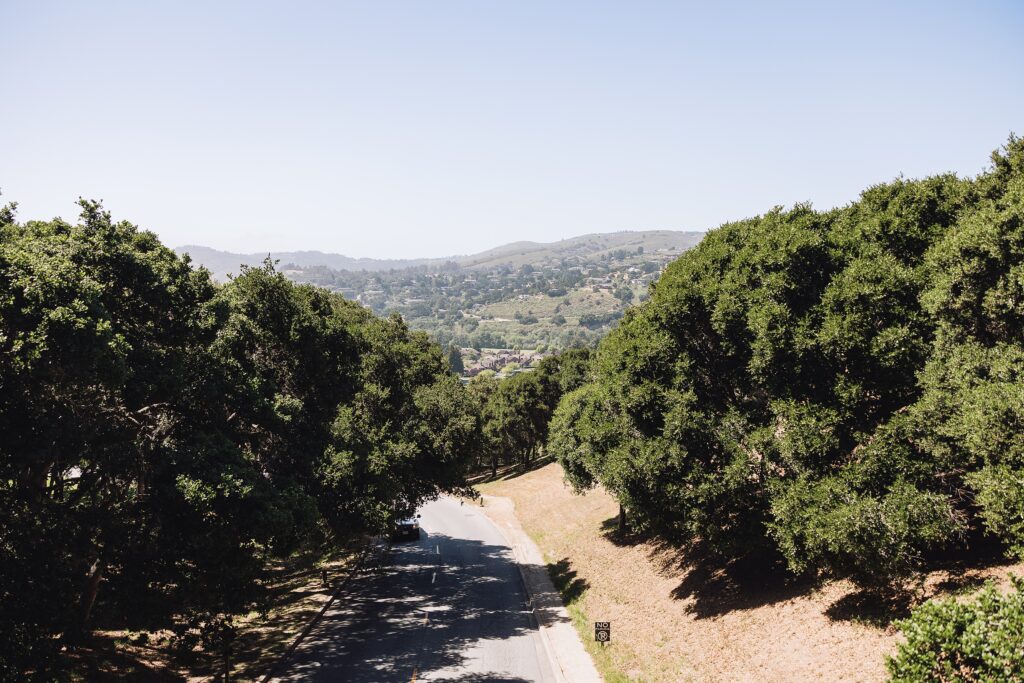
(407, 529)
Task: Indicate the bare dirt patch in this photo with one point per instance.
(676, 618)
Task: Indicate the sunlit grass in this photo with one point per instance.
(573, 592)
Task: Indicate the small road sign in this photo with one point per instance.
(603, 631)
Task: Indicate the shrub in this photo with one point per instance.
(875, 539)
(979, 640)
(1001, 497)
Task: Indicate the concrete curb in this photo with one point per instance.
(335, 594)
(571, 663)
(549, 649)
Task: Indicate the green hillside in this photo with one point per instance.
(520, 295)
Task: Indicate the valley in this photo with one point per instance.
(521, 296)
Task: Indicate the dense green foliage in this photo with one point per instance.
(515, 412)
(977, 641)
(164, 437)
(843, 388)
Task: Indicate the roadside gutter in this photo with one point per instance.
(561, 641)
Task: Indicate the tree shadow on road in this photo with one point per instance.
(486, 678)
(412, 618)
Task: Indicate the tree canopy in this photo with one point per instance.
(515, 412)
(164, 437)
(843, 388)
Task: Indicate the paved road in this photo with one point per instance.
(449, 607)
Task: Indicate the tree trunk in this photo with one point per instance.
(37, 476)
(92, 589)
(622, 518)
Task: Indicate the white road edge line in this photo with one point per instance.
(549, 650)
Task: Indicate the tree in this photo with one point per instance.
(164, 437)
(455, 360)
(111, 411)
(516, 412)
(408, 434)
(953, 640)
(514, 422)
(841, 389)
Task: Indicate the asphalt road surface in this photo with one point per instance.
(448, 607)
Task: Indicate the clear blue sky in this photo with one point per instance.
(431, 128)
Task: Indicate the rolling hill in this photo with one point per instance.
(523, 295)
(588, 247)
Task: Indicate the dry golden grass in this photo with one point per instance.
(675, 619)
(572, 305)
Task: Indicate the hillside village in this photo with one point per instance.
(498, 361)
(512, 308)
(507, 306)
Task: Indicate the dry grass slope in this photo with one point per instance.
(677, 619)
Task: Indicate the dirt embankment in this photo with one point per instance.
(677, 619)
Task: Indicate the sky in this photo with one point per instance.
(426, 129)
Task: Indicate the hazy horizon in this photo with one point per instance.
(258, 252)
(430, 130)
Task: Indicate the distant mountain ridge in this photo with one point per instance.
(223, 263)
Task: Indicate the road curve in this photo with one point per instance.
(448, 607)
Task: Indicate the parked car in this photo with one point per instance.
(407, 529)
